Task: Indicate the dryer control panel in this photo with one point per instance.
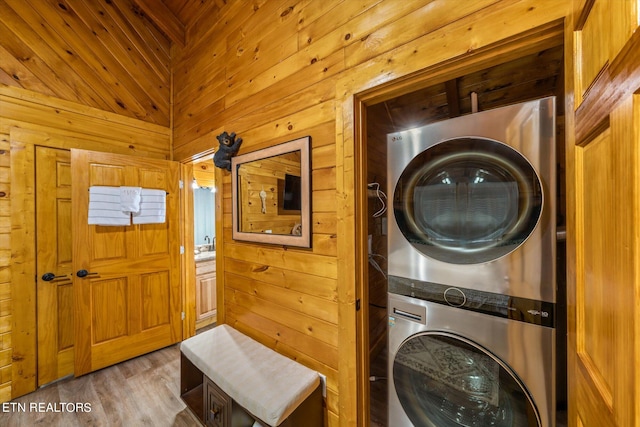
(525, 310)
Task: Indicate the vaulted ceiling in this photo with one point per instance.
(113, 55)
(107, 55)
(116, 56)
(173, 17)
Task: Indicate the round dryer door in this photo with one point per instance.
(445, 381)
(468, 201)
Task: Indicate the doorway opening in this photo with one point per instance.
(204, 238)
(511, 73)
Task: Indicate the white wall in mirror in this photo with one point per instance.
(204, 216)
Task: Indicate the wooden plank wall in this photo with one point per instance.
(273, 71)
(73, 73)
(103, 54)
(28, 119)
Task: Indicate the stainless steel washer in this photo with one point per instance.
(474, 201)
(462, 357)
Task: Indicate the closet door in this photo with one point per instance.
(604, 209)
(126, 278)
(54, 276)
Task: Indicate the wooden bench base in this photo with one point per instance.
(215, 408)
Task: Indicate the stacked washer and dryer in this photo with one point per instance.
(472, 275)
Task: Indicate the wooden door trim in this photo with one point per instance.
(529, 42)
(220, 278)
(188, 266)
(546, 36)
(616, 81)
(23, 265)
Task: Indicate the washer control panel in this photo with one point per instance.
(455, 297)
(515, 308)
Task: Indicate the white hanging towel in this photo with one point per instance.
(130, 199)
(153, 207)
(104, 207)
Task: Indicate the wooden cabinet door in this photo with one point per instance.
(53, 242)
(217, 405)
(130, 302)
(603, 218)
(206, 301)
(206, 296)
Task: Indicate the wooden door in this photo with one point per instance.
(53, 265)
(604, 209)
(130, 301)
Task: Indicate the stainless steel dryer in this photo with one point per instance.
(474, 201)
(486, 362)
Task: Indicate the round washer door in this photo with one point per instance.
(468, 200)
(443, 380)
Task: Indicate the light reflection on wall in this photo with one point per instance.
(204, 215)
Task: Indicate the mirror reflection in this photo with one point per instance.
(271, 194)
(204, 218)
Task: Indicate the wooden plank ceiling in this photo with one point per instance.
(102, 54)
(174, 17)
(188, 11)
(114, 55)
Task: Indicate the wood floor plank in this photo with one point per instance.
(144, 391)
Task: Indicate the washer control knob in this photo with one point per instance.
(455, 297)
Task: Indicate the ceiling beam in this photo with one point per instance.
(451, 88)
(160, 14)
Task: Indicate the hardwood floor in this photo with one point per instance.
(144, 391)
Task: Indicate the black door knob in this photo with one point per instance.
(47, 277)
(84, 273)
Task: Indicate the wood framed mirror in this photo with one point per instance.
(271, 194)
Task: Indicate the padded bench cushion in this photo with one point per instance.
(264, 382)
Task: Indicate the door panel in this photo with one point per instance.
(109, 299)
(607, 260)
(604, 287)
(130, 302)
(154, 239)
(53, 240)
(603, 31)
(156, 299)
(595, 322)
